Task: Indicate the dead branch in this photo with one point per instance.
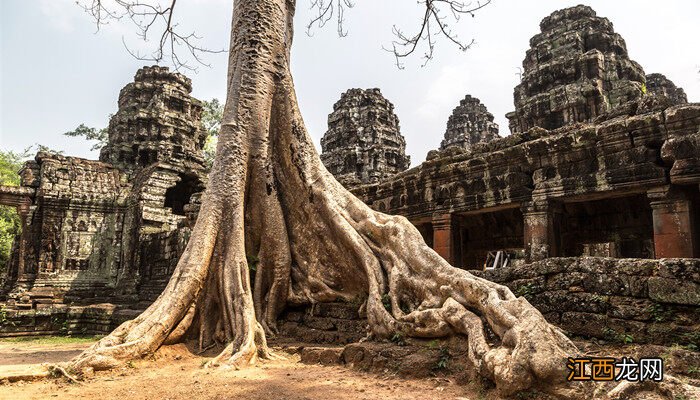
(434, 23)
(325, 11)
(148, 16)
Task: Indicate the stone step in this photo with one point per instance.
(417, 360)
(303, 333)
(24, 372)
(322, 355)
(338, 310)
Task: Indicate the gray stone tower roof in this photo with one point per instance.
(469, 124)
(576, 69)
(157, 121)
(363, 143)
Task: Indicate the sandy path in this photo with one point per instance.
(177, 376)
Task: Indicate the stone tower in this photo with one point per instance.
(157, 121)
(577, 68)
(469, 124)
(659, 85)
(363, 143)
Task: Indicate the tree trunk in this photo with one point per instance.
(270, 199)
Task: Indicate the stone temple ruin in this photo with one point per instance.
(469, 124)
(112, 230)
(375, 150)
(591, 205)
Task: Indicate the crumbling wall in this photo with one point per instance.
(61, 319)
(86, 221)
(626, 300)
(158, 257)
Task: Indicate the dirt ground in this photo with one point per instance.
(176, 374)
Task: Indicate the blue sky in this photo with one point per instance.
(56, 72)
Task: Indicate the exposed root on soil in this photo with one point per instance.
(57, 370)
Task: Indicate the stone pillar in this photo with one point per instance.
(23, 211)
(673, 223)
(541, 224)
(443, 237)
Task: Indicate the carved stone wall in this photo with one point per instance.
(72, 230)
(577, 68)
(469, 124)
(86, 224)
(363, 143)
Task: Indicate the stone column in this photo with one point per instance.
(443, 237)
(541, 229)
(673, 223)
(23, 211)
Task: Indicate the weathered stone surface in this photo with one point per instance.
(469, 124)
(601, 297)
(674, 291)
(321, 355)
(336, 322)
(157, 120)
(659, 85)
(59, 319)
(363, 143)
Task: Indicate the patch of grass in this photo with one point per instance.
(613, 335)
(386, 301)
(692, 341)
(525, 291)
(626, 338)
(51, 339)
(659, 313)
(443, 360)
(398, 339)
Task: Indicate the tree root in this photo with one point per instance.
(57, 370)
(670, 388)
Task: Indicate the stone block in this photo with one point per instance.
(676, 291)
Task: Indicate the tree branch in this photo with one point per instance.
(434, 23)
(146, 16)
